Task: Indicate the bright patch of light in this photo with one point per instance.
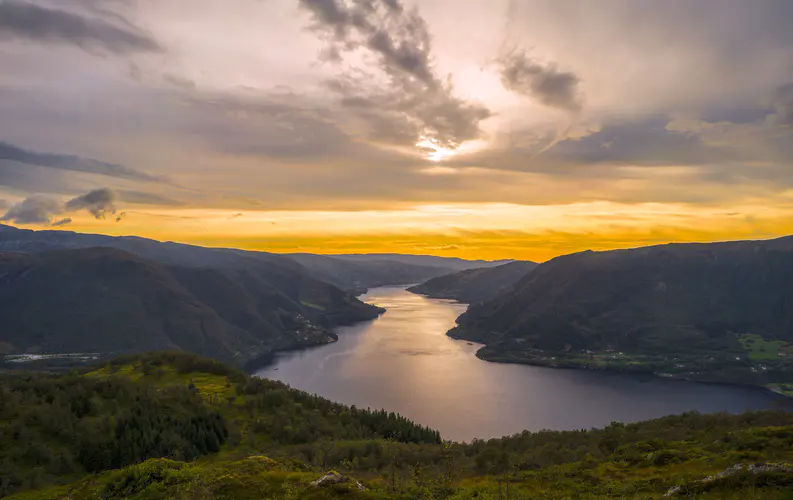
(433, 151)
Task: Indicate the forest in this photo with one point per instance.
(174, 425)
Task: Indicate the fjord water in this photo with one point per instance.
(404, 362)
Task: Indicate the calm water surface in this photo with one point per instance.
(404, 362)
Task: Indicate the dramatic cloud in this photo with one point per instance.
(98, 202)
(404, 116)
(603, 105)
(28, 21)
(416, 103)
(40, 209)
(35, 209)
(542, 82)
(74, 163)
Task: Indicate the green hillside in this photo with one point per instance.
(720, 312)
(172, 425)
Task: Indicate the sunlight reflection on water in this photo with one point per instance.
(404, 362)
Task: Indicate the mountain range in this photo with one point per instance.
(62, 291)
(350, 273)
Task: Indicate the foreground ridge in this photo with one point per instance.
(174, 425)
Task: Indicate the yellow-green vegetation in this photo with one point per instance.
(176, 426)
(761, 349)
(312, 305)
(784, 389)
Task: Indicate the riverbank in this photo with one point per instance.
(721, 372)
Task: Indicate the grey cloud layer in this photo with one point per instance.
(416, 101)
(74, 163)
(783, 106)
(320, 135)
(35, 209)
(33, 22)
(543, 82)
(40, 209)
(98, 203)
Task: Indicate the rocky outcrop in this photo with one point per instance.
(334, 477)
(768, 474)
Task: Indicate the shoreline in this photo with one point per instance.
(574, 366)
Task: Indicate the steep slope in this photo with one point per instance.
(106, 300)
(697, 309)
(279, 275)
(475, 285)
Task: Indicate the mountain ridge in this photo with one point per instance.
(475, 285)
(353, 274)
(703, 311)
(102, 299)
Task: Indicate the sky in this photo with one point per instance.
(474, 128)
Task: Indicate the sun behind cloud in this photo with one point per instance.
(433, 151)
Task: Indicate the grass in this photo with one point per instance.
(312, 305)
(762, 350)
(252, 478)
(636, 470)
(784, 389)
(208, 385)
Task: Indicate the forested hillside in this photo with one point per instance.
(109, 301)
(715, 311)
(475, 285)
(184, 427)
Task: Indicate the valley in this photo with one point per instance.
(593, 366)
(404, 361)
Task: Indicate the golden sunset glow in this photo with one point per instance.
(490, 231)
(513, 143)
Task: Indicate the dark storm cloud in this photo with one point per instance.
(98, 203)
(28, 21)
(74, 163)
(416, 101)
(542, 82)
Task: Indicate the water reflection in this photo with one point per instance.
(404, 362)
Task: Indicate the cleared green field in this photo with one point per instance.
(760, 349)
